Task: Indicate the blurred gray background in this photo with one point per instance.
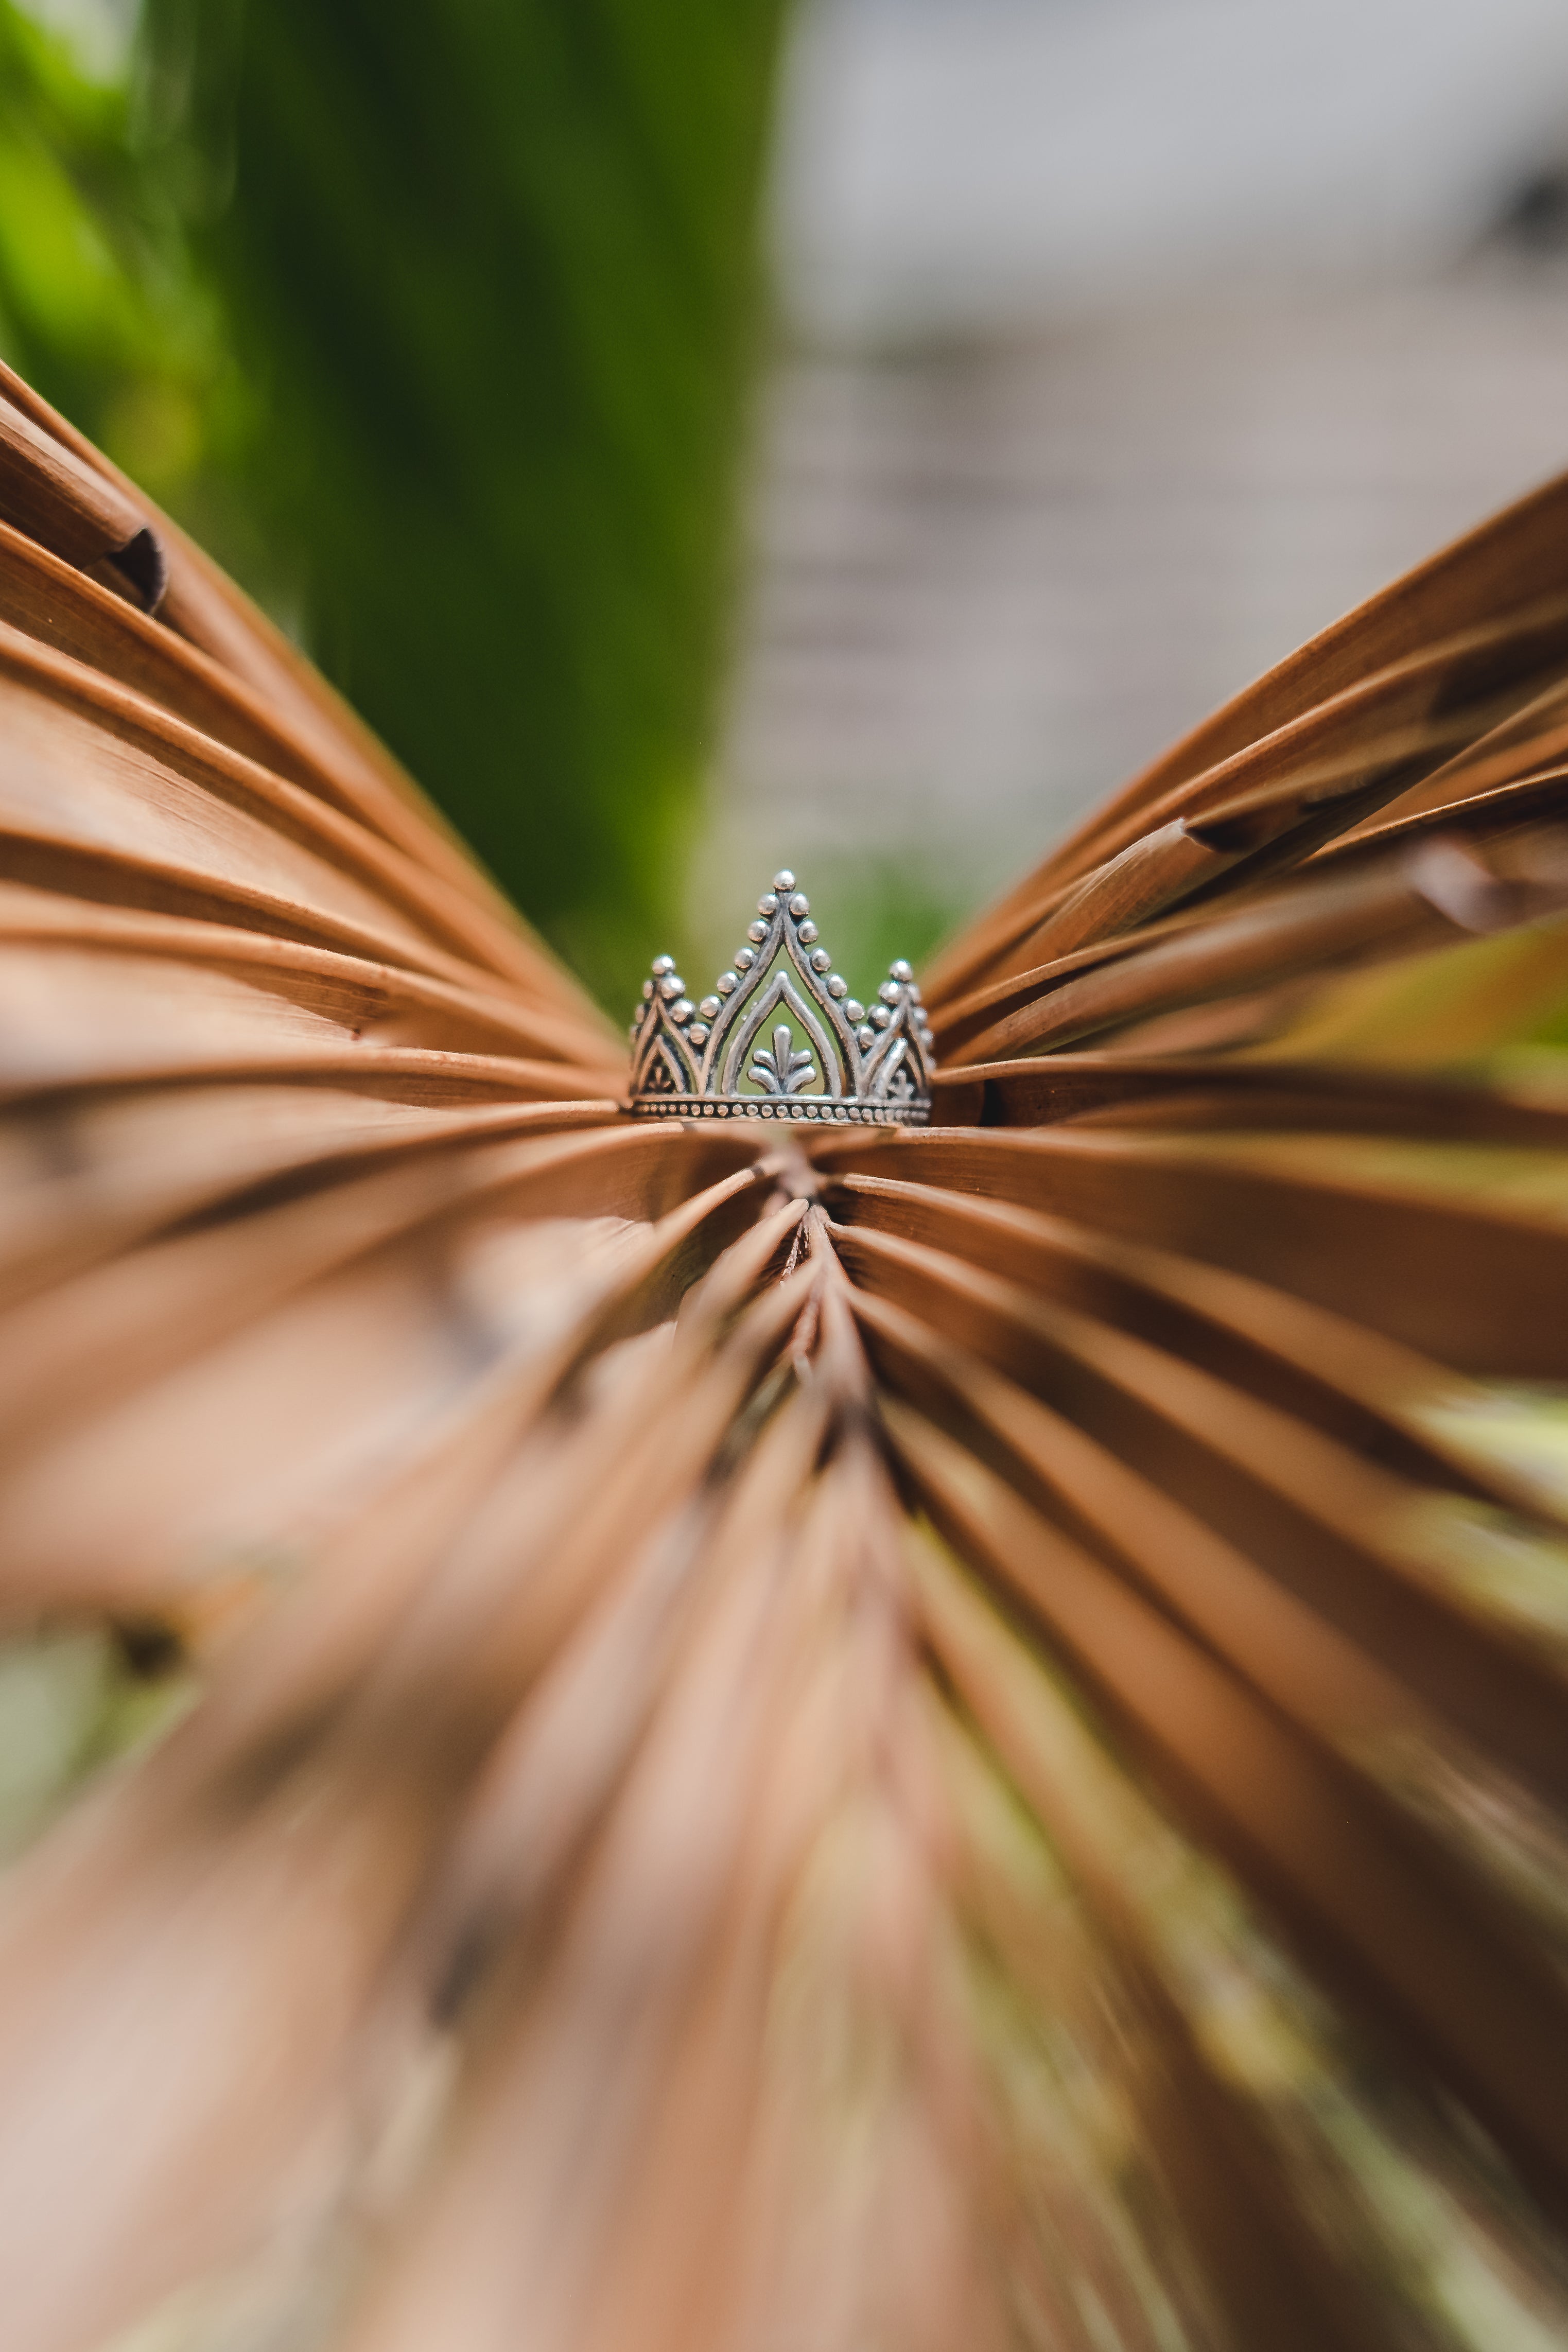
(1126, 343)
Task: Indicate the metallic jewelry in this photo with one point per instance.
(735, 1054)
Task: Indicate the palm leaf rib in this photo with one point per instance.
(760, 1737)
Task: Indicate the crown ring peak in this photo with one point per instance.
(847, 1069)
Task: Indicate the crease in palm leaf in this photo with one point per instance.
(691, 1737)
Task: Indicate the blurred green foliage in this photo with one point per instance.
(99, 306)
(437, 319)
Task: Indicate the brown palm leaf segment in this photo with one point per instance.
(952, 1740)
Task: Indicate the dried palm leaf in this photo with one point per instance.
(646, 1735)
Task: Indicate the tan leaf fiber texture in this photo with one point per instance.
(664, 1739)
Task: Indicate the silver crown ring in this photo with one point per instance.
(782, 1037)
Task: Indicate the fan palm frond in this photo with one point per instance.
(675, 1737)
